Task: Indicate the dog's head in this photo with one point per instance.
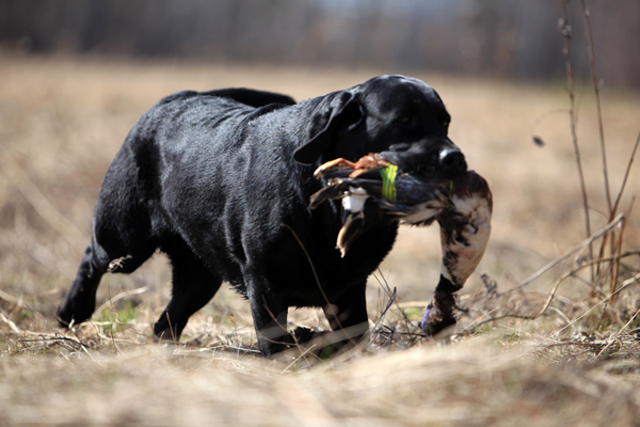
(399, 117)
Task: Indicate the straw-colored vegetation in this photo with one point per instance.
(552, 348)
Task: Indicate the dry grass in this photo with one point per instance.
(509, 363)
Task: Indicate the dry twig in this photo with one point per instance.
(565, 29)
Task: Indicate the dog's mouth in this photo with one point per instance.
(439, 159)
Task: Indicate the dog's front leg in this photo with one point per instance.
(270, 320)
(347, 316)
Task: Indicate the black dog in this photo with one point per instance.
(220, 181)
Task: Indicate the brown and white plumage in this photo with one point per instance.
(462, 206)
(465, 226)
(414, 201)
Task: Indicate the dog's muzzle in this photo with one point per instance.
(452, 162)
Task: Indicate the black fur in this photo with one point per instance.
(210, 179)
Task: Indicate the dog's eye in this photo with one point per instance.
(405, 120)
(445, 124)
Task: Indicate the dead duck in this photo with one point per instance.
(374, 180)
(462, 206)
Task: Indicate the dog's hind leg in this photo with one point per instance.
(80, 301)
(128, 225)
(193, 287)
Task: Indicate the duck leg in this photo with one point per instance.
(439, 313)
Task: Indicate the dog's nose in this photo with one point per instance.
(452, 161)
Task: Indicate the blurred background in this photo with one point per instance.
(75, 75)
(499, 38)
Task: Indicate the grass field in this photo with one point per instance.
(517, 356)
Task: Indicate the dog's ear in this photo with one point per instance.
(341, 114)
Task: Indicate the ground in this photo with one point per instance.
(517, 355)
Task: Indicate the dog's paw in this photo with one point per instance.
(165, 336)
